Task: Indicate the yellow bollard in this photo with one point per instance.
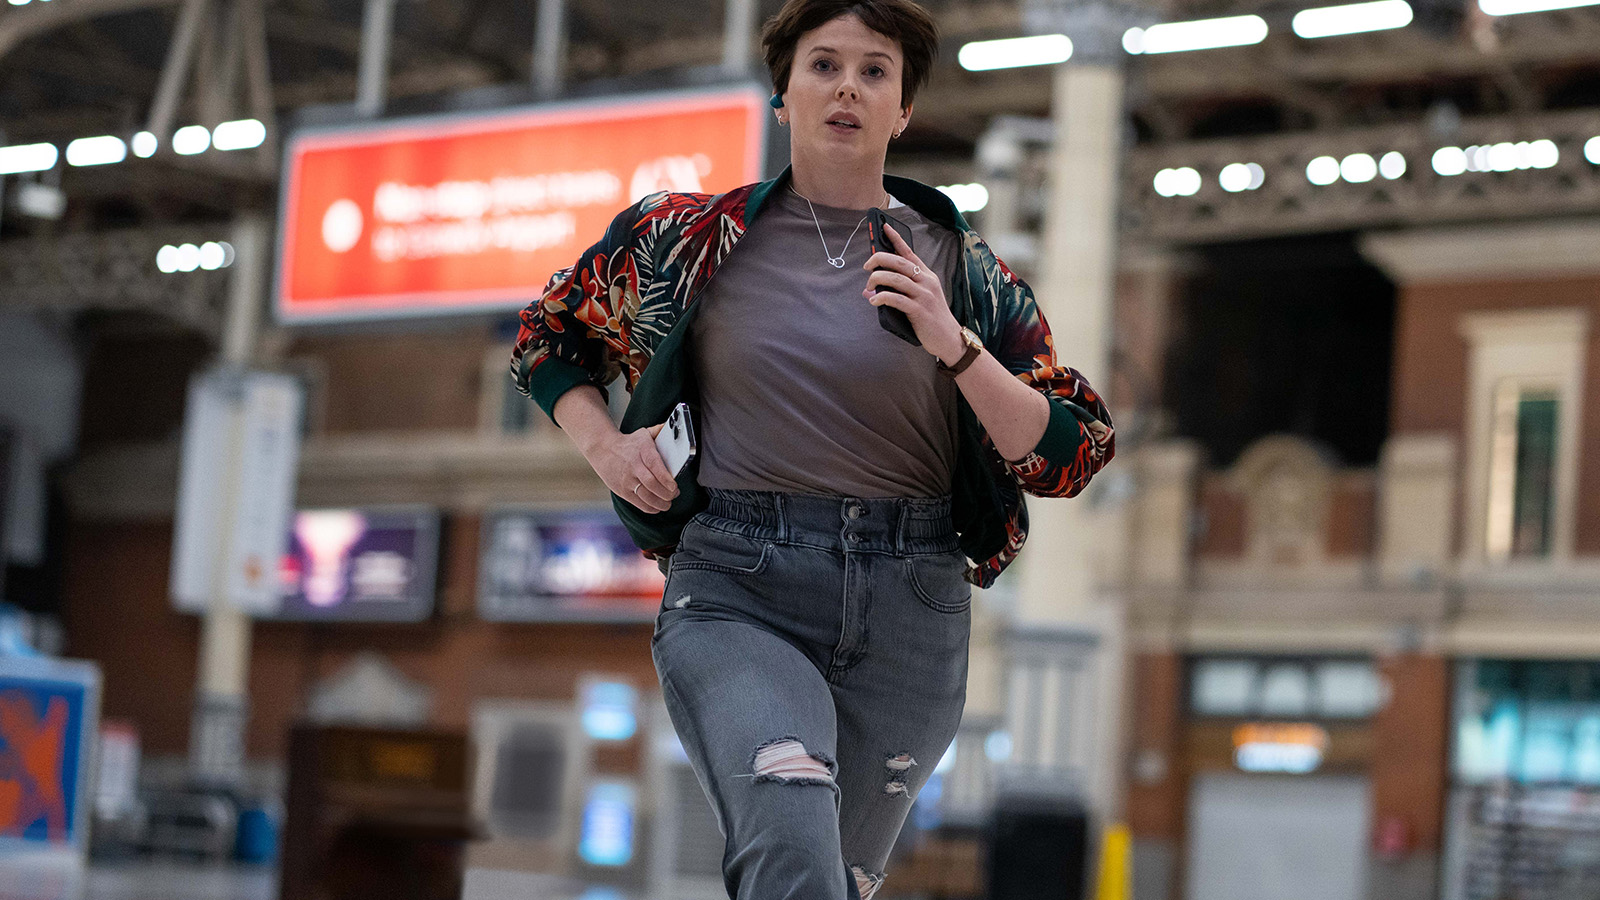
(1116, 864)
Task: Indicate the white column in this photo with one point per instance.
(1057, 589)
(216, 738)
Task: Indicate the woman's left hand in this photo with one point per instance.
(903, 281)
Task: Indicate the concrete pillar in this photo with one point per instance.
(216, 732)
(1058, 595)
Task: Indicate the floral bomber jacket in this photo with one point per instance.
(624, 309)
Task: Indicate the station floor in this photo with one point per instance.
(25, 878)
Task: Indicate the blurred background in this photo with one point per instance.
(302, 600)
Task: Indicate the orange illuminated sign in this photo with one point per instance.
(475, 213)
(1279, 747)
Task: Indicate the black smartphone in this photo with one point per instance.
(893, 320)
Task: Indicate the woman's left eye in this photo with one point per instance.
(875, 71)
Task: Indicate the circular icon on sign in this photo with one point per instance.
(341, 225)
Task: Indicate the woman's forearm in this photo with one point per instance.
(1014, 414)
(583, 415)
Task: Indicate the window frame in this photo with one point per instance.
(1510, 354)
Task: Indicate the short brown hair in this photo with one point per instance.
(900, 20)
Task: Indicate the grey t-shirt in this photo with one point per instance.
(800, 389)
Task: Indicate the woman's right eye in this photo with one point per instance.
(822, 65)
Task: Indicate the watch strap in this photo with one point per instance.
(974, 350)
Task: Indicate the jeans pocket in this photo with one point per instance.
(937, 579)
(704, 547)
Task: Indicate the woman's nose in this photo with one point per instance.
(847, 88)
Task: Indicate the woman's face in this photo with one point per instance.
(843, 97)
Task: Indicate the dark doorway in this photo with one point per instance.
(1284, 336)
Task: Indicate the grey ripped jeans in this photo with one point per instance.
(813, 657)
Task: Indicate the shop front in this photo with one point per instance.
(1523, 819)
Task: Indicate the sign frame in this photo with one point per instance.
(556, 112)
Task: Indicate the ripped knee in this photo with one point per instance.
(867, 883)
(787, 761)
(898, 768)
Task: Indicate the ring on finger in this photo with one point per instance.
(915, 270)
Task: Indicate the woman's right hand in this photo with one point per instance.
(632, 468)
(629, 464)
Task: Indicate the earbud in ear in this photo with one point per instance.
(776, 102)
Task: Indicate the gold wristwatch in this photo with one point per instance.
(974, 350)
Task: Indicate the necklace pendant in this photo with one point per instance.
(836, 261)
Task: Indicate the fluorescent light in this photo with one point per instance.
(1515, 7)
(167, 259)
(27, 158)
(227, 253)
(240, 134)
(1322, 171)
(1355, 18)
(188, 258)
(1543, 154)
(1010, 53)
(1182, 182)
(1502, 157)
(191, 139)
(1358, 168)
(1393, 165)
(96, 151)
(1241, 177)
(19, 2)
(1203, 34)
(145, 145)
(1449, 161)
(1591, 150)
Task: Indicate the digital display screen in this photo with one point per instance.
(564, 565)
(609, 710)
(607, 835)
(473, 212)
(360, 565)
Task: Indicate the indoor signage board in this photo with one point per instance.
(240, 460)
(475, 211)
(49, 718)
(376, 564)
(564, 565)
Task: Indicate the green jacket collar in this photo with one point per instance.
(928, 201)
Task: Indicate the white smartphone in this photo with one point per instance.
(675, 441)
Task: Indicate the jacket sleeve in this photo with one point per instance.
(1079, 438)
(576, 332)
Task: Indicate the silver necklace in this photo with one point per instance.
(836, 261)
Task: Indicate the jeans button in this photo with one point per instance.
(856, 512)
(854, 538)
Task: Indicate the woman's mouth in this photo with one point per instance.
(844, 123)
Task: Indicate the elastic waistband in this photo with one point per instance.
(897, 525)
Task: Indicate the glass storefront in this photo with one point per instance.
(1524, 813)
